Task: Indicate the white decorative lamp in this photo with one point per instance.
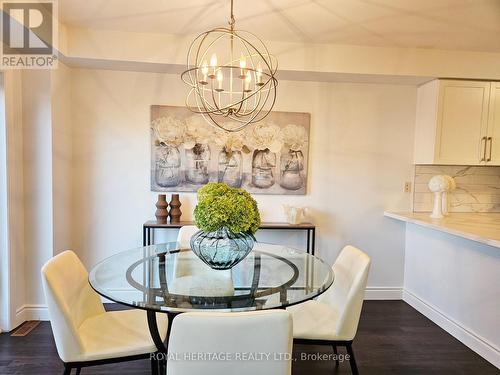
(444, 200)
(438, 185)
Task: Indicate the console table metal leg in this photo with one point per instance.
(148, 236)
(313, 240)
(308, 246)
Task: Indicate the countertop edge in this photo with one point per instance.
(437, 226)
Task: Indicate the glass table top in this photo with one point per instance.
(165, 277)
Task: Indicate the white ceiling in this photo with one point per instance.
(442, 24)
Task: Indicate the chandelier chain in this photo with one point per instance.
(232, 21)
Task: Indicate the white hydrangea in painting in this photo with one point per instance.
(169, 130)
(229, 141)
(294, 137)
(266, 136)
(197, 131)
(269, 157)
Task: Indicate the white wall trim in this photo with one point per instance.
(32, 312)
(481, 346)
(383, 293)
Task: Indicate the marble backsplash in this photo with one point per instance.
(478, 188)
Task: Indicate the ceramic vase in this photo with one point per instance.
(175, 209)
(161, 209)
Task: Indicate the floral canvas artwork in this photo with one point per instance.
(269, 157)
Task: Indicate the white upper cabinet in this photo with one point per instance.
(457, 123)
(493, 146)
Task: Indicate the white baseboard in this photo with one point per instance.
(32, 312)
(383, 293)
(481, 346)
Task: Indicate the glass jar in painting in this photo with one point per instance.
(263, 166)
(291, 170)
(197, 163)
(230, 168)
(167, 166)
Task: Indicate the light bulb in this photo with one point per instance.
(204, 72)
(213, 65)
(204, 68)
(243, 65)
(258, 76)
(248, 80)
(220, 77)
(213, 60)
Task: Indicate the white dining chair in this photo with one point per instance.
(185, 234)
(195, 278)
(85, 334)
(197, 338)
(333, 318)
(187, 263)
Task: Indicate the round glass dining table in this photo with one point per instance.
(170, 279)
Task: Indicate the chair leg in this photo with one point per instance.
(336, 355)
(163, 367)
(154, 366)
(67, 370)
(352, 360)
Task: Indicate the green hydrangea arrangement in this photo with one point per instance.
(222, 206)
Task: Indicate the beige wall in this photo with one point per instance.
(361, 155)
(12, 259)
(37, 176)
(62, 158)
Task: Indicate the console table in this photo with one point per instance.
(309, 228)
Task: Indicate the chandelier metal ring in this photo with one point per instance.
(238, 92)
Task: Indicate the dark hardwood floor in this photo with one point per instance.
(392, 338)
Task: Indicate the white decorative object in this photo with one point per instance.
(438, 184)
(444, 198)
(293, 214)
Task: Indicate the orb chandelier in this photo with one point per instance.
(232, 77)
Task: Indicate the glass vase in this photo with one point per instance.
(197, 163)
(291, 170)
(230, 168)
(263, 165)
(168, 166)
(222, 249)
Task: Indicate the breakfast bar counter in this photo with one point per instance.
(479, 227)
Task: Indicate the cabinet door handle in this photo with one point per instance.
(484, 140)
(490, 139)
